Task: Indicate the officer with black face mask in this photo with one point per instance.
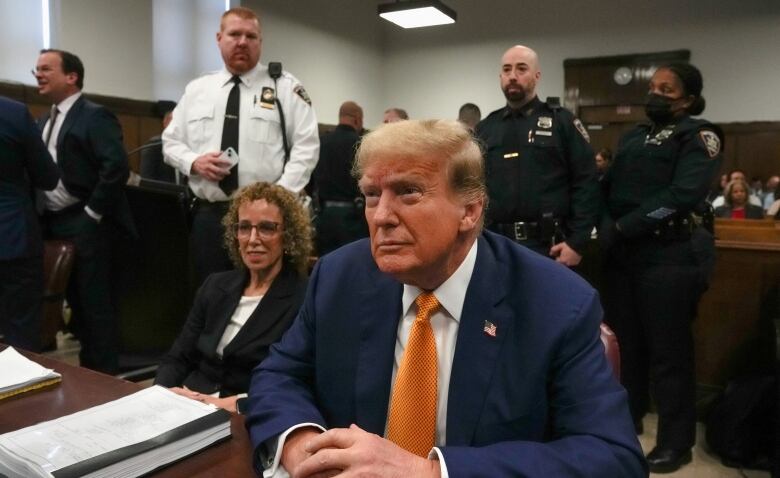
(657, 257)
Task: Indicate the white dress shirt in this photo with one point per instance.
(246, 305)
(59, 198)
(196, 129)
(445, 322)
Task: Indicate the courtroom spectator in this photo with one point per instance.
(238, 107)
(152, 164)
(88, 206)
(771, 191)
(340, 219)
(757, 188)
(603, 160)
(24, 164)
(469, 114)
(434, 347)
(736, 205)
(774, 210)
(395, 114)
(736, 174)
(718, 189)
(238, 314)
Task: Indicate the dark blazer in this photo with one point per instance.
(333, 174)
(193, 360)
(751, 211)
(538, 399)
(93, 162)
(24, 164)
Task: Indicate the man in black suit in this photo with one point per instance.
(88, 205)
(341, 218)
(24, 164)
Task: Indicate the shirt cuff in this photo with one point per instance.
(272, 467)
(93, 214)
(435, 454)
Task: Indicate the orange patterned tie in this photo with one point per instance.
(411, 423)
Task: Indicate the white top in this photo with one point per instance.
(445, 322)
(245, 307)
(196, 129)
(720, 201)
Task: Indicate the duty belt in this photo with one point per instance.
(519, 231)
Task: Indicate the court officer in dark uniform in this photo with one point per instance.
(656, 256)
(341, 218)
(541, 176)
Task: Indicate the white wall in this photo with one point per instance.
(21, 39)
(114, 40)
(433, 71)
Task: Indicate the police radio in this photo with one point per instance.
(275, 72)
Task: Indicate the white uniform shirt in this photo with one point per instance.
(196, 129)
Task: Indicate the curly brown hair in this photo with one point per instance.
(297, 230)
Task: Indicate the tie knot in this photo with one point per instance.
(235, 80)
(427, 303)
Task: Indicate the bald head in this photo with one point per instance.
(351, 114)
(519, 75)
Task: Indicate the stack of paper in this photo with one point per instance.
(19, 374)
(128, 437)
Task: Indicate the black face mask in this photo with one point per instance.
(659, 108)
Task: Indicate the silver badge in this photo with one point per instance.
(544, 122)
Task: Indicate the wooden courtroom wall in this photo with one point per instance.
(609, 109)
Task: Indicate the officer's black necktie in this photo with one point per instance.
(230, 134)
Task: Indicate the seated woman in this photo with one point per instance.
(736, 204)
(238, 314)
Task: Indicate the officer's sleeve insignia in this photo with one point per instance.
(581, 128)
(302, 93)
(711, 142)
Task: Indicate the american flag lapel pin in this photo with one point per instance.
(490, 328)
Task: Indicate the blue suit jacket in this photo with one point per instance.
(539, 399)
(24, 164)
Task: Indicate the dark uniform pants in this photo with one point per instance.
(339, 225)
(89, 290)
(207, 243)
(652, 291)
(21, 295)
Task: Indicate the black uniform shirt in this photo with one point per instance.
(332, 177)
(538, 160)
(659, 172)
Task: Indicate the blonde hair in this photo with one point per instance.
(730, 188)
(296, 225)
(444, 140)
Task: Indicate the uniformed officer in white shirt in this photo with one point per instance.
(194, 141)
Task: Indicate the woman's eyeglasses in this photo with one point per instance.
(264, 229)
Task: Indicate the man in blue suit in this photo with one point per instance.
(24, 164)
(88, 206)
(521, 386)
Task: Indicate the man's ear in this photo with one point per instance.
(472, 215)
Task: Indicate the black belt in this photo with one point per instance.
(519, 231)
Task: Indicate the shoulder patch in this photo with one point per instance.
(581, 128)
(302, 93)
(711, 142)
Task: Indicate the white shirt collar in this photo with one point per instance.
(67, 103)
(246, 78)
(452, 293)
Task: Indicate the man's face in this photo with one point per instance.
(240, 43)
(53, 83)
(737, 175)
(414, 218)
(391, 117)
(519, 75)
(601, 163)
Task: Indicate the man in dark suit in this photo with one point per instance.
(88, 205)
(469, 354)
(340, 219)
(24, 164)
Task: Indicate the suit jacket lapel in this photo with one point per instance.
(69, 121)
(270, 308)
(224, 305)
(378, 313)
(476, 352)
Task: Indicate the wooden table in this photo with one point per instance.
(82, 388)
